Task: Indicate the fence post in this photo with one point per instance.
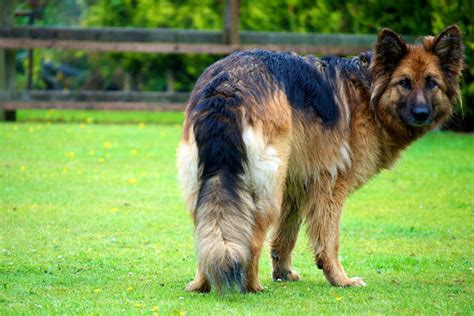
(34, 13)
(7, 58)
(231, 22)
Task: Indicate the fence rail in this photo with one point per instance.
(178, 41)
(96, 100)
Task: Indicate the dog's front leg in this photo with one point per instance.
(324, 213)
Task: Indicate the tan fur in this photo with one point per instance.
(298, 170)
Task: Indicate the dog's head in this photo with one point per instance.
(414, 87)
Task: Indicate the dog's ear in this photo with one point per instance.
(447, 45)
(389, 49)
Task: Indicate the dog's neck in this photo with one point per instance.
(372, 141)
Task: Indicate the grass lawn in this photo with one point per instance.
(92, 222)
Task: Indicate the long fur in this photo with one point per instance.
(223, 215)
(277, 138)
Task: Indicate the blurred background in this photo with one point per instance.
(70, 70)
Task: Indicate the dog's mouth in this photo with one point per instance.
(418, 121)
(420, 124)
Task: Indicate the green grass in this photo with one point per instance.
(88, 116)
(92, 222)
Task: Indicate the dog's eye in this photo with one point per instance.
(405, 83)
(431, 83)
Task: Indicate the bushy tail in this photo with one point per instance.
(223, 233)
(224, 211)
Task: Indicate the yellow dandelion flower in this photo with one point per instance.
(89, 120)
(338, 298)
(97, 290)
(132, 181)
(22, 168)
(100, 160)
(138, 305)
(69, 154)
(115, 210)
(129, 289)
(155, 314)
(81, 125)
(141, 125)
(155, 308)
(182, 313)
(107, 145)
(133, 152)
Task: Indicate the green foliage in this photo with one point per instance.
(290, 16)
(148, 71)
(447, 12)
(92, 222)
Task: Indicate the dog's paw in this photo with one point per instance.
(349, 282)
(257, 288)
(281, 276)
(201, 287)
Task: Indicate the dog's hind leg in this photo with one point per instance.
(188, 175)
(265, 177)
(283, 241)
(253, 283)
(200, 283)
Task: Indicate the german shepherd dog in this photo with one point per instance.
(272, 139)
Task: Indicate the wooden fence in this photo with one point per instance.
(177, 41)
(94, 100)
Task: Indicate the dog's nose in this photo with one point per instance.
(420, 114)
